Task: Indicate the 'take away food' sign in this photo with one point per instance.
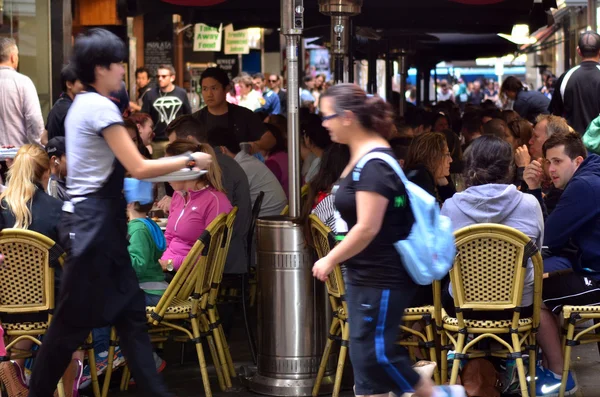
(207, 38)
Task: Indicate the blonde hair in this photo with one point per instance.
(214, 175)
(28, 169)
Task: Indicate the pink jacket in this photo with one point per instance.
(187, 220)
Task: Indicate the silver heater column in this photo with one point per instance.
(403, 72)
(340, 12)
(293, 310)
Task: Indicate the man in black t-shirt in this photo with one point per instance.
(219, 114)
(143, 83)
(164, 104)
(71, 86)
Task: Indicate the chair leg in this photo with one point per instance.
(213, 352)
(125, 379)
(460, 344)
(443, 358)
(111, 358)
(342, 358)
(220, 348)
(432, 350)
(245, 304)
(532, 364)
(520, 367)
(201, 358)
(567, 359)
(60, 388)
(333, 331)
(92, 365)
(228, 358)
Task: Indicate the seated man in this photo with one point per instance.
(575, 219)
(260, 178)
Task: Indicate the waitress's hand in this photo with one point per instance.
(322, 268)
(202, 160)
(164, 204)
(163, 264)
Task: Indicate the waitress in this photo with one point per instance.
(99, 286)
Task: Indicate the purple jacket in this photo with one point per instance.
(187, 220)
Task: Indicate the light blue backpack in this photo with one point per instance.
(428, 252)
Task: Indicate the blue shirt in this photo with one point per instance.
(272, 104)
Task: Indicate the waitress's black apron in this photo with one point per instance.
(98, 281)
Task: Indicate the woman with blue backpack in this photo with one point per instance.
(374, 215)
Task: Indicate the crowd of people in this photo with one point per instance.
(531, 167)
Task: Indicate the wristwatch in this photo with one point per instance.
(191, 163)
(170, 267)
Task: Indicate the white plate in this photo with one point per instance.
(162, 222)
(182, 175)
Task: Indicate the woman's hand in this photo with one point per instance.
(202, 160)
(522, 156)
(163, 264)
(322, 268)
(164, 204)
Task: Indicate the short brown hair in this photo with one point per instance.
(142, 208)
(170, 68)
(572, 142)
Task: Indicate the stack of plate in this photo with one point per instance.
(182, 175)
(8, 152)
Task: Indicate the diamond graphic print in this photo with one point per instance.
(167, 107)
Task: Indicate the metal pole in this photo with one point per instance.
(403, 71)
(292, 23)
(591, 15)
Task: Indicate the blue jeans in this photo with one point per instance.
(102, 335)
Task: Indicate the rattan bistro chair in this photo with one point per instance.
(303, 194)
(488, 275)
(27, 287)
(324, 241)
(177, 311)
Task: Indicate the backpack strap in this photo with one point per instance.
(389, 160)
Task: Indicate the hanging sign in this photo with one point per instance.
(236, 41)
(207, 38)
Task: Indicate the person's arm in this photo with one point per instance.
(576, 207)
(140, 250)
(127, 153)
(44, 138)
(370, 209)
(32, 113)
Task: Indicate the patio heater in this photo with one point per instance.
(340, 12)
(293, 310)
(403, 72)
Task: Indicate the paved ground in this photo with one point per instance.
(185, 380)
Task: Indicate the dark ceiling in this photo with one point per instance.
(400, 23)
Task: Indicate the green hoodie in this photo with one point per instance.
(145, 254)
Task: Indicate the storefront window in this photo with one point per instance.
(28, 22)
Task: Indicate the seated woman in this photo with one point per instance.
(316, 139)
(320, 199)
(491, 198)
(428, 165)
(194, 206)
(25, 205)
(134, 133)
(145, 127)
(277, 157)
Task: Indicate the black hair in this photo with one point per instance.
(496, 127)
(317, 134)
(471, 121)
(492, 113)
(215, 73)
(67, 75)
(416, 117)
(221, 136)
(373, 113)
(333, 162)
(589, 44)
(96, 47)
(280, 142)
(440, 115)
(488, 159)
(187, 125)
(142, 208)
(400, 147)
(262, 115)
(141, 70)
(308, 78)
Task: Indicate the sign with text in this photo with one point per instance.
(207, 38)
(236, 41)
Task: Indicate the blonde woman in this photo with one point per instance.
(25, 205)
(194, 206)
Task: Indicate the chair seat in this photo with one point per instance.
(567, 310)
(41, 326)
(178, 306)
(419, 310)
(452, 321)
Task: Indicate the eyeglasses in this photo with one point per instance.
(330, 117)
(163, 76)
(273, 81)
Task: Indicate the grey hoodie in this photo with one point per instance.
(502, 204)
